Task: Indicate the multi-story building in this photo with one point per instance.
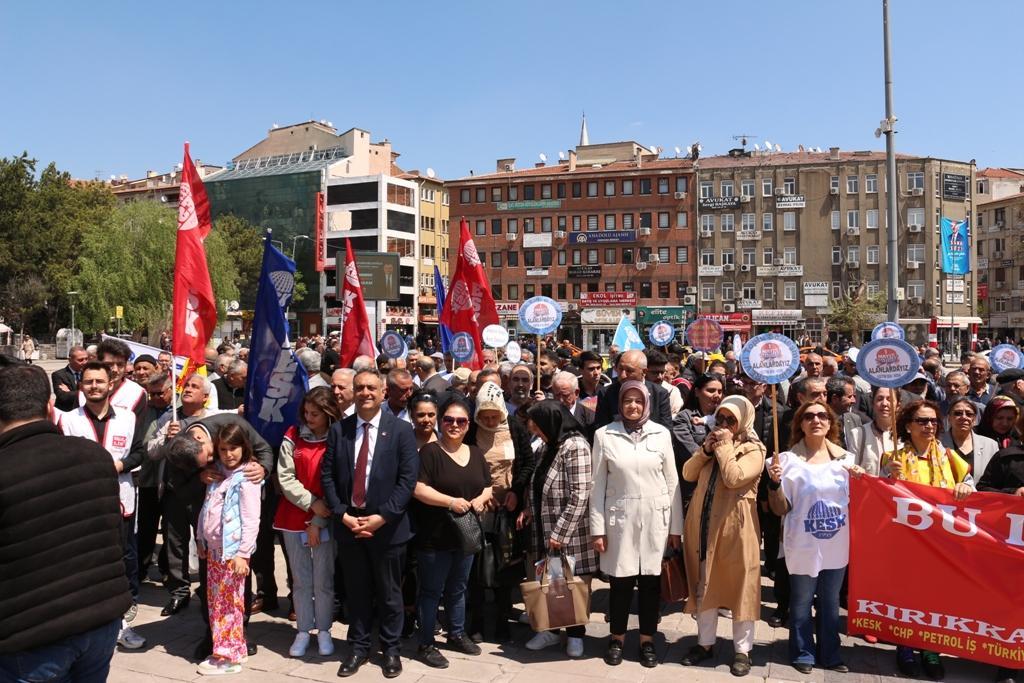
(606, 229)
(996, 183)
(156, 186)
(433, 248)
(999, 264)
(780, 235)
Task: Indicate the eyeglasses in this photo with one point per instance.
(725, 420)
(457, 421)
(925, 421)
(823, 417)
(962, 413)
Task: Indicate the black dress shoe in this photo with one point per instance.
(648, 655)
(464, 644)
(613, 657)
(696, 655)
(250, 648)
(432, 657)
(803, 668)
(392, 666)
(351, 665)
(778, 619)
(839, 668)
(740, 664)
(175, 605)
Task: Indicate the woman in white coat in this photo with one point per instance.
(635, 510)
(870, 442)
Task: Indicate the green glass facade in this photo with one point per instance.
(284, 203)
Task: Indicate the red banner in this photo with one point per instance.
(320, 240)
(937, 574)
(608, 299)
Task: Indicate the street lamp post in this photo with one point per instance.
(74, 337)
(295, 241)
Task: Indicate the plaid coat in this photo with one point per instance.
(564, 506)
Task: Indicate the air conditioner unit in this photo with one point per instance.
(913, 265)
(680, 195)
(998, 224)
(745, 268)
(560, 234)
(833, 190)
(508, 168)
(914, 227)
(707, 233)
(511, 237)
(691, 290)
(916, 300)
(645, 231)
(729, 266)
(780, 261)
(573, 307)
(853, 231)
(917, 192)
(729, 308)
(654, 258)
(780, 192)
(745, 199)
(641, 265)
(853, 264)
(689, 300)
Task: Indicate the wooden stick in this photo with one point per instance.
(894, 401)
(775, 426)
(538, 362)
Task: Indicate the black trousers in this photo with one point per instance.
(148, 515)
(620, 597)
(178, 525)
(262, 562)
(782, 591)
(373, 577)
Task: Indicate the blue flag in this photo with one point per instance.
(277, 382)
(956, 247)
(626, 337)
(446, 334)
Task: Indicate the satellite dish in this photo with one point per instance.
(232, 305)
(275, 126)
(689, 150)
(757, 147)
(678, 151)
(543, 157)
(768, 145)
(778, 148)
(799, 148)
(700, 147)
(331, 124)
(561, 155)
(430, 172)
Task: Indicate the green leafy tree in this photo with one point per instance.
(245, 244)
(853, 315)
(128, 260)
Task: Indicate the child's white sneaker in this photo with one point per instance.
(299, 645)
(215, 666)
(324, 643)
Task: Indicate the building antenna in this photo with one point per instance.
(743, 137)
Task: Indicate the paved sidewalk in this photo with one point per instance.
(172, 640)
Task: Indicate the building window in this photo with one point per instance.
(512, 258)
(682, 254)
(664, 219)
(853, 254)
(609, 255)
(481, 227)
(561, 223)
(513, 225)
(464, 196)
(728, 291)
(748, 290)
(645, 186)
(627, 256)
(592, 188)
(496, 194)
(528, 192)
(481, 195)
(645, 219)
(871, 183)
(915, 180)
(872, 287)
(545, 224)
(609, 221)
(682, 219)
(545, 257)
(789, 221)
(560, 190)
(577, 190)
(727, 188)
(916, 216)
(627, 221)
(663, 189)
(681, 183)
(627, 286)
(707, 222)
(728, 222)
(496, 292)
(853, 219)
(645, 289)
(663, 290)
(852, 184)
(872, 255)
(681, 288)
(561, 291)
(627, 187)
(768, 291)
(747, 188)
(766, 187)
(748, 221)
(728, 257)
(707, 291)
(789, 186)
(833, 184)
(576, 221)
(749, 256)
(871, 219)
(513, 193)
(529, 291)
(836, 224)
(545, 191)
(915, 289)
(915, 253)
(609, 287)
(530, 258)
(789, 291)
(706, 189)
(837, 257)
(495, 259)
(561, 257)
(789, 256)
(707, 257)
(576, 290)
(768, 222)
(768, 256)
(577, 257)
(528, 225)
(609, 188)
(592, 222)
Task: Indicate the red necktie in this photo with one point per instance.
(359, 485)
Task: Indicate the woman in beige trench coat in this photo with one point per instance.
(721, 535)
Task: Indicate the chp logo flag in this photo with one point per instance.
(356, 339)
(195, 310)
(469, 307)
(277, 381)
(956, 248)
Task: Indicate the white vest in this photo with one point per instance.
(117, 439)
(816, 533)
(127, 396)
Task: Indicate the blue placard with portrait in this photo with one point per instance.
(662, 333)
(462, 346)
(770, 358)
(890, 363)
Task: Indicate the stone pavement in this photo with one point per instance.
(172, 640)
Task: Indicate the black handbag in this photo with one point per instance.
(468, 532)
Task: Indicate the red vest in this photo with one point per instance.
(306, 457)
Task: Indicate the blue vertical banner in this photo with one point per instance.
(276, 382)
(445, 333)
(956, 246)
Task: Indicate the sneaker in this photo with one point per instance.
(932, 666)
(215, 666)
(132, 612)
(574, 648)
(542, 640)
(432, 657)
(324, 643)
(129, 639)
(464, 644)
(299, 645)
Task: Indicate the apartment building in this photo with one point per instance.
(999, 265)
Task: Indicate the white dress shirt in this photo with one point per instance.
(402, 414)
(372, 436)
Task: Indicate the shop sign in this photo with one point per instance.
(585, 272)
(748, 304)
(536, 272)
(397, 320)
(536, 239)
(982, 263)
(728, 318)
(954, 186)
(780, 271)
(745, 235)
(674, 314)
(709, 271)
(816, 301)
(955, 285)
(507, 309)
(710, 203)
(777, 316)
(955, 298)
(602, 237)
(603, 316)
(792, 201)
(816, 288)
(608, 299)
(530, 204)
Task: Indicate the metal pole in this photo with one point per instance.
(893, 189)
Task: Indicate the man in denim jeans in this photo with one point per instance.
(60, 612)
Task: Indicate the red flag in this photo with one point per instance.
(195, 309)
(469, 306)
(356, 337)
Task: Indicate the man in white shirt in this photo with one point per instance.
(341, 385)
(399, 391)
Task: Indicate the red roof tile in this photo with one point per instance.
(562, 169)
(1000, 173)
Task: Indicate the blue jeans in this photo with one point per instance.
(130, 548)
(442, 572)
(83, 658)
(802, 628)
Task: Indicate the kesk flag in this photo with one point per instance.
(195, 310)
(356, 336)
(469, 306)
(626, 337)
(277, 381)
(446, 334)
(956, 248)
(934, 573)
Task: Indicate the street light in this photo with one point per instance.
(295, 241)
(74, 337)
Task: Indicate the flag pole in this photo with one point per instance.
(174, 389)
(537, 358)
(775, 426)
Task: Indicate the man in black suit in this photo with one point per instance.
(565, 387)
(65, 380)
(631, 365)
(369, 472)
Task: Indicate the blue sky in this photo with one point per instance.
(111, 88)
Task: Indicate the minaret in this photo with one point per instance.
(584, 138)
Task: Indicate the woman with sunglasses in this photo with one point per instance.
(999, 421)
(810, 488)
(454, 478)
(556, 508)
(423, 411)
(923, 460)
(975, 449)
(721, 538)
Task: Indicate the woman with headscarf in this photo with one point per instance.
(556, 504)
(721, 539)
(635, 510)
(999, 420)
(506, 447)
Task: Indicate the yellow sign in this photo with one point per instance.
(119, 311)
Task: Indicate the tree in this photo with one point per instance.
(128, 260)
(245, 244)
(851, 316)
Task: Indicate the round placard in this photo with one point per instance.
(540, 315)
(888, 330)
(770, 358)
(513, 353)
(1006, 357)
(704, 334)
(462, 347)
(393, 345)
(494, 336)
(889, 363)
(662, 333)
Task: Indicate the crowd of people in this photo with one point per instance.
(408, 497)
